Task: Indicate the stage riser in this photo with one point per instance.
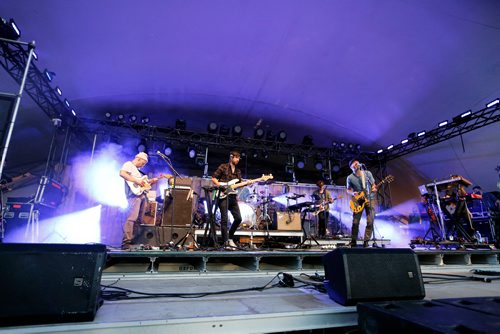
(227, 261)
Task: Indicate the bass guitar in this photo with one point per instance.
(358, 202)
(231, 187)
(139, 190)
(322, 205)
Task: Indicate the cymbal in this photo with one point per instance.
(295, 196)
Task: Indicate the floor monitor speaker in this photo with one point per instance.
(48, 283)
(372, 274)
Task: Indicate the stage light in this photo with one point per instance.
(342, 146)
(307, 140)
(59, 91)
(443, 123)
(66, 102)
(390, 147)
(237, 130)
(282, 136)
(255, 154)
(49, 74)
(132, 118)
(145, 120)
(258, 133)
(224, 130)
(73, 112)
(108, 115)
(167, 150)
(335, 144)
(35, 56)
(289, 169)
(120, 117)
(212, 127)
(336, 168)
(180, 124)
(421, 133)
(358, 147)
(200, 157)
(462, 118)
(301, 163)
(404, 141)
(265, 154)
(9, 30)
(380, 151)
(350, 146)
(141, 147)
(191, 152)
(493, 103)
(318, 164)
(270, 136)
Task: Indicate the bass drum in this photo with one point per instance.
(248, 216)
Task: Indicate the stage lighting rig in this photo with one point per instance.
(9, 29)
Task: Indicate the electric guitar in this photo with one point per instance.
(138, 190)
(358, 202)
(232, 186)
(322, 205)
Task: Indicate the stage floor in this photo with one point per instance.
(278, 309)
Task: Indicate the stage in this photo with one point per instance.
(250, 308)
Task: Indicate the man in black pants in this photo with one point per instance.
(228, 201)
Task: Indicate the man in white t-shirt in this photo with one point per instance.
(136, 187)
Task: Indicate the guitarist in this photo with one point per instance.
(362, 180)
(323, 198)
(225, 173)
(136, 203)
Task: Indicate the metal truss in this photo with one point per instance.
(13, 58)
(459, 126)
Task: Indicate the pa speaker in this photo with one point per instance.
(353, 275)
(177, 207)
(47, 283)
(147, 235)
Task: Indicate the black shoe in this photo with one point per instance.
(353, 244)
(365, 244)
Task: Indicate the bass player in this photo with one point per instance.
(136, 186)
(361, 185)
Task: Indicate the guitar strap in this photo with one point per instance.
(363, 180)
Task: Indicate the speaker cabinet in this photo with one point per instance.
(177, 207)
(287, 221)
(147, 235)
(47, 283)
(172, 234)
(354, 275)
(150, 213)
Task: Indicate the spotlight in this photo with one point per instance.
(132, 118)
(289, 168)
(200, 158)
(307, 140)
(224, 130)
(191, 152)
(342, 146)
(167, 150)
(390, 147)
(108, 115)
(265, 154)
(66, 102)
(145, 120)
(49, 74)
(9, 30)
(380, 151)
(318, 164)
(237, 130)
(443, 123)
(254, 154)
(35, 55)
(282, 136)
(335, 144)
(335, 168)
(350, 147)
(493, 103)
(258, 133)
(270, 135)
(421, 133)
(120, 117)
(301, 163)
(358, 147)
(180, 124)
(212, 127)
(73, 112)
(404, 141)
(141, 147)
(59, 91)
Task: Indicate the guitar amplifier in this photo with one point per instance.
(177, 207)
(287, 221)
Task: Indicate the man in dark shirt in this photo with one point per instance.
(225, 173)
